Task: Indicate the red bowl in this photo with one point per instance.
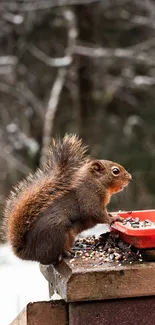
(138, 237)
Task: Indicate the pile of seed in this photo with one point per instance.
(106, 248)
(136, 223)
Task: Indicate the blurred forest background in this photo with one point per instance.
(85, 67)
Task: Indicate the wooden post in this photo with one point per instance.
(84, 282)
(43, 313)
(95, 294)
(105, 294)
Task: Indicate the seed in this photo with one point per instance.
(111, 256)
(107, 248)
(129, 219)
(135, 225)
(117, 257)
(136, 220)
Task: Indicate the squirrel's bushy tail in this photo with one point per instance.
(65, 157)
(34, 194)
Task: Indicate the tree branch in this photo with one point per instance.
(51, 110)
(34, 5)
(58, 85)
(51, 62)
(117, 53)
(8, 60)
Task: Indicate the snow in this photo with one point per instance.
(20, 283)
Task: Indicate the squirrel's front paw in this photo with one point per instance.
(115, 218)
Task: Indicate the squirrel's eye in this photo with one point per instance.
(115, 171)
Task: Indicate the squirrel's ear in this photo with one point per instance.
(97, 167)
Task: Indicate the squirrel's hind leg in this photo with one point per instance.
(69, 243)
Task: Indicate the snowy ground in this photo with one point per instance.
(20, 283)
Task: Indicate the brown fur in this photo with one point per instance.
(69, 194)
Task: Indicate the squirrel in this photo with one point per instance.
(67, 195)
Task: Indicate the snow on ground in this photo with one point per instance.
(20, 283)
